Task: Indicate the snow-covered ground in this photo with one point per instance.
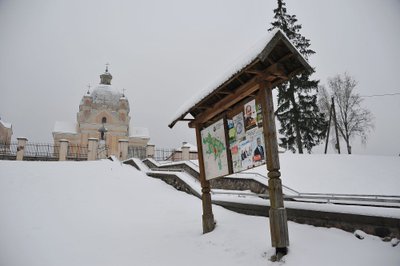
(105, 213)
(333, 173)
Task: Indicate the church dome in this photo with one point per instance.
(104, 95)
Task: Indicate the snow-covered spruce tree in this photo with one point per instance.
(302, 123)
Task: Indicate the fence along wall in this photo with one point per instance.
(35, 151)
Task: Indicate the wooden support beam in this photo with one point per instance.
(277, 212)
(270, 60)
(275, 70)
(225, 103)
(241, 81)
(208, 216)
(224, 92)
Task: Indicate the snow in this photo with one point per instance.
(192, 164)
(106, 213)
(139, 132)
(64, 127)
(340, 174)
(241, 62)
(192, 147)
(300, 162)
(106, 96)
(5, 124)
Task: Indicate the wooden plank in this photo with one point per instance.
(277, 212)
(227, 102)
(269, 128)
(276, 70)
(208, 217)
(228, 150)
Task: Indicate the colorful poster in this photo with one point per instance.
(259, 117)
(238, 123)
(236, 160)
(250, 115)
(258, 149)
(231, 131)
(245, 150)
(214, 150)
(249, 152)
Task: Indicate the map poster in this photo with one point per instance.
(214, 150)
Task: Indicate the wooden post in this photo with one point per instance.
(277, 212)
(208, 217)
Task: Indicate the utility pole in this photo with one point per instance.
(332, 112)
(329, 129)
(336, 129)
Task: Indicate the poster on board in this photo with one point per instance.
(214, 149)
(247, 149)
(258, 149)
(238, 123)
(250, 115)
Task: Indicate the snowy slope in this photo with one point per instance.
(104, 213)
(351, 174)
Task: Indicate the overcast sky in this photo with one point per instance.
(164, 52)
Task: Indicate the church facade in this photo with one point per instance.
(103, 114)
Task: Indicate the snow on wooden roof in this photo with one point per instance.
(274, 55)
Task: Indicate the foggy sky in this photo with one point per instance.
(164, 52)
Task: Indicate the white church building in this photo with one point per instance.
(103, 114)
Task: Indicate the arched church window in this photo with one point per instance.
(104, 120)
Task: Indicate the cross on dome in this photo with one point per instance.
(88, 90)
(105, 79)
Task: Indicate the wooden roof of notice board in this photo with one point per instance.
(273, 60)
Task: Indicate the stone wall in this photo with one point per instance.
(239, 184)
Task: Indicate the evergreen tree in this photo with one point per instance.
(302, 123)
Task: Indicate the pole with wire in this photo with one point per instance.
(332, 112)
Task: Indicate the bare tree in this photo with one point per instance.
(352, 119)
